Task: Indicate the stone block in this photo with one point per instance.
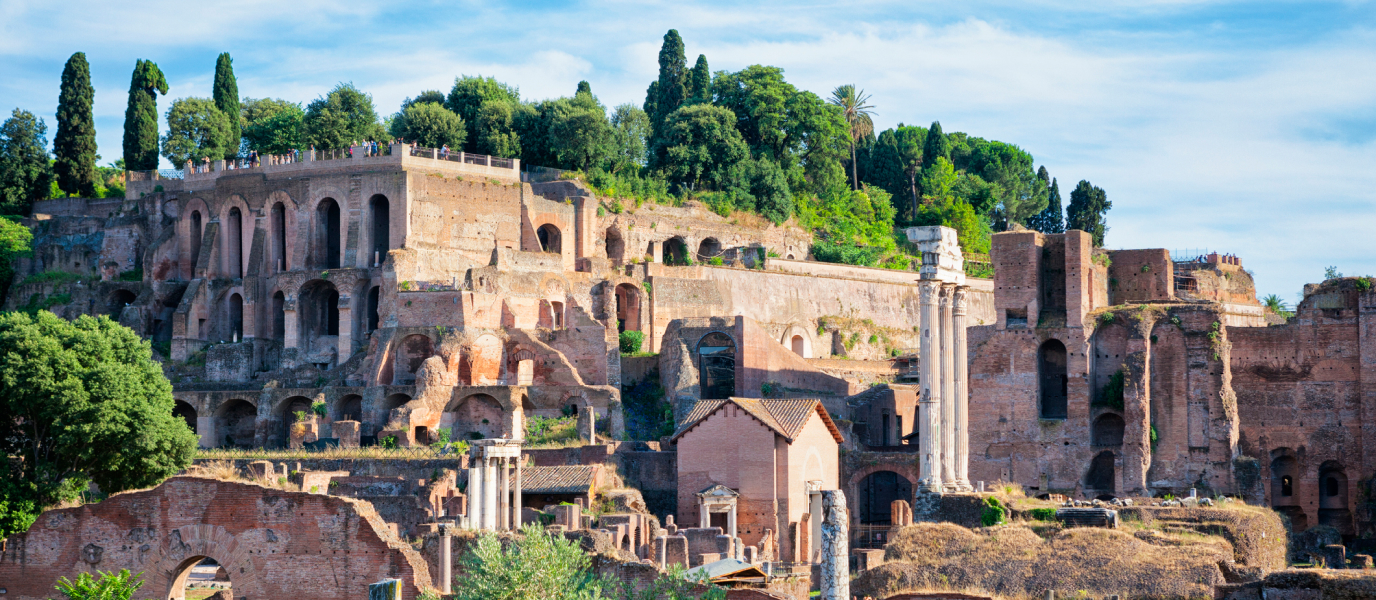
(705, 558)
(347, 432)
(901, 513)
(866, 559)
(585, 522)
(262, 469)
(1334, 556)
(566, 515)
(751, 555)
(387, 589)
(304, 432)
(1361, 561)
(675, 550)
(1088, 517)
(404, 437)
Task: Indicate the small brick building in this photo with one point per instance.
(775, 455)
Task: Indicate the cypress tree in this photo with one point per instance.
(584, 88)
(141, 118)
(936, 145)
(1088, 206)
(701, 89)
(1051, 219)
(74, 144)
(673, 80)
(651, 105)
(227, 100)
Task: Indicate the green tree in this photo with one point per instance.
(700, 82)
(1050, 220)
(141, 117)
(74, 143)
(852, 227)
(81, 401)
(497, 129)
(25, 173)
(1009, 169)
(760, 186)
(936, 146)
(938, 178)
(701, 145)
(583, 88)
(895, 160)
(467, 98)
(536, 565)
(273, 127)
(972, 228)
(630, 131)
(196, 130)
(15, 241)
(226, 94)
(855, 108)
(1088, 207)
(582, 137)
(671, 89)
(344, 117)
(431, 125)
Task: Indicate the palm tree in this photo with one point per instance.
(1273, 303)
(855, 108)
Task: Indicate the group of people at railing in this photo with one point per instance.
(369, 148)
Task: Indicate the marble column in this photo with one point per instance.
(835, 579)
(948, 391)
(518, 502)
(490, 494)
(504, 512)
(929, 403)
(475, 493)
(962, 398)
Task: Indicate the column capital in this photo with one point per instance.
(962, 300)
(928, 290)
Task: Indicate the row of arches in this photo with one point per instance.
(675, 250)
(1290, 489)
(325, 242)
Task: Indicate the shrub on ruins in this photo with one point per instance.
(631, 341)
(25, 173)
(15, 241)
(851, 226)
(81, 402)
(535, 566)
(108, 586)
(197, 130)
(343, 117)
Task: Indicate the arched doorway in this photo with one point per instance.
(1285, 498)
(118, 299)
(1051, 368)
(236, 317)
(877, 493)
(373, 296)
(236, 423)
(548, 235)
(279, 237)
(1333, 510)
(200, 577)
(234, 243)
(319, 314)
(279, 316)
(379, 213)
(707, 250)
(327, 234)
(798, 345)
(616, 246)
(1108, 430)
(195, 241)
(288, 414)
(187, 413)
(627, 307)
(473, 418)
(716, 366)
(350, 408)
(1101, 476)
(675, 251)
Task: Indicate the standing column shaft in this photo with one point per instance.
(948, 392)
(446, 560)
(962, 399)
(505, 511)
(490, 495)
(929, 405)
(475, 494)
(519, 502)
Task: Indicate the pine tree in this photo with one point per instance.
(584, 88)
(74, 144)
(700, 90)
(226, 96)
(671, 90)
(1088, 206)
(141, 118)
(1049, 220)
(936, 145)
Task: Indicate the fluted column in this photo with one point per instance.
(948, 391)
(962, 397)
(475, 493)
(929, 404)
(490, 494)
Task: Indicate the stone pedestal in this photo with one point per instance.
(347, 432)
(304, 432)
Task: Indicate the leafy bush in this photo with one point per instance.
(631, 341)
(319, 408)
(110, 586)
(715, 261)
(389, 442)
(1042, 514)
(535, 566)
(994, 512)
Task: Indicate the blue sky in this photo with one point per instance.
(1243, 127)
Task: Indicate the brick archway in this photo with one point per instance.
(185, 547)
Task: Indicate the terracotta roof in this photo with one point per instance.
(557, 480)
(786, 417)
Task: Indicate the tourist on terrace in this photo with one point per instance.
(444, 151)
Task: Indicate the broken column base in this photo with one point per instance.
(927, 507)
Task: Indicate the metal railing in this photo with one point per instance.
(463, 157)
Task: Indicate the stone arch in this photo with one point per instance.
(716, 354)
(708, 249)
(616, 246)
(236, 317)
(1285, 477)
(877, 491)
(1101, 476)
(286, 413)
(277, 238)
(1333, 508)
(327, 235)
(475, 416)
(236, 424)
(380, 229)
(197, 543)
(798, 340)
(349, 408)
(196, 216)
(1108, 430)
(236, 236)
(410, 352)
(629, 303)
(118, 299)
(187, 412)
(318, 314)
(676, 251)
(481, 363)
(520, 366)
(1051, 371)
(550, 238)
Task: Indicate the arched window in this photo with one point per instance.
(675, 252)
(627, 307)
(379, 212)
(118, 300)
(319, 310)
(549, 239)
(350, 408)
(234, 243)
(1333, 510)
(327, 234)
(187, 413)
(1108, 430)
(195, 241)
(1284, 470)
(878, 491)
(1051, 367)
(799, 346)
(236, 317)
(279, 316)
(709, 248)
(372, 307)
(616, 246)
(279, 237)
(717, 366)
(1101, 477)
(236, 424)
